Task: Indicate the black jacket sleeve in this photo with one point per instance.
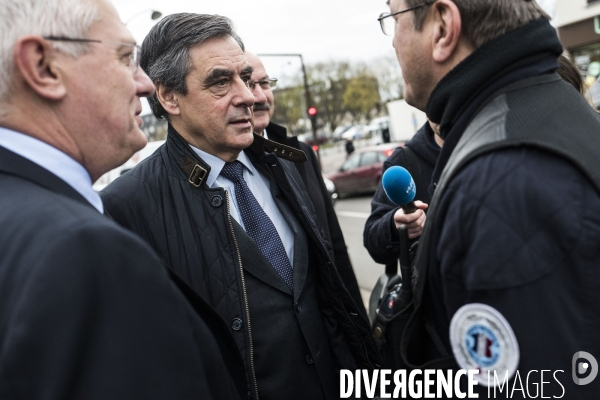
(380, 236)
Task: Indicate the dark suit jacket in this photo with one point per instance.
(86, 309)
(292, 356)
(311, 175)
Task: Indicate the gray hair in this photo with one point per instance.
(483, 20)
(68, 18)
(165, 51)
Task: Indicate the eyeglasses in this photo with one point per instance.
(134, 57)
(265, 84)
(388, 26)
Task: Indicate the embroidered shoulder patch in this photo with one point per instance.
(482, 339)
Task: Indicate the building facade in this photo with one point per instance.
(578, 24)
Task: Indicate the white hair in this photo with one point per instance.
(62, 18)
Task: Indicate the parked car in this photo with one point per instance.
(379, 129)
(309, 139)
(337, 133)
(135, 159)
(330, 189)
(361, 172)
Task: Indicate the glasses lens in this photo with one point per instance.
(136, 58)
(264, 84)
(388, 25)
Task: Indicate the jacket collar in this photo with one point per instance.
(187, 161)
(277, 133)
(262, 145)
(516, 49)
(13, 164)
(529, 51)
(196, 170)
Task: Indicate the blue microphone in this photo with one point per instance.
(400, 188)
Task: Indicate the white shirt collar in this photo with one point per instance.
(54, 161)
(216, 164)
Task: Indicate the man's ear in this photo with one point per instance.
(447, 29)
(35, 60)
(168, 99)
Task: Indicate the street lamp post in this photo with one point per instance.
(306, 96)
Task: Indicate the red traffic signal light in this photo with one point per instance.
(312, 111)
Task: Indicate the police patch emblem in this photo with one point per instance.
(482, 339)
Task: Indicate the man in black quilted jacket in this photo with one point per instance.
(227, 211)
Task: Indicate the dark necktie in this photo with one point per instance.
(258, 224)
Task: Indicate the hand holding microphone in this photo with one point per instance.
(400, 188)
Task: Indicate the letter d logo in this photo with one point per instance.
(583, 367)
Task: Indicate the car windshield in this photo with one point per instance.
(351, 163)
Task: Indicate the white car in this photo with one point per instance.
(330, 189)
(379, 128)
(337, 133)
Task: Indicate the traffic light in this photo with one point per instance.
(312, 111)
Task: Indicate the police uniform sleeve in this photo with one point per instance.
(517, 232)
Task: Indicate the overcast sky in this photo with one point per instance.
(319, 29)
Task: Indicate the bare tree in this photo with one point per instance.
(339, 89)
(361, 97)
(389, 76)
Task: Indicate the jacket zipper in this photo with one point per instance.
(304, 213)
(245, 298)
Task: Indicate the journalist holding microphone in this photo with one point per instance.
(418, 156)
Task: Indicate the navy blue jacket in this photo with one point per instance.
(380, 235)
(520, 231)
(516, 227)
(88, 312)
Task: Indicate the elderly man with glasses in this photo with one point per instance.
(507, 270)
(87, 311)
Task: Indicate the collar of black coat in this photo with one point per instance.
(488, 64)
(276, 132)
(260, 145)
(196, 170)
